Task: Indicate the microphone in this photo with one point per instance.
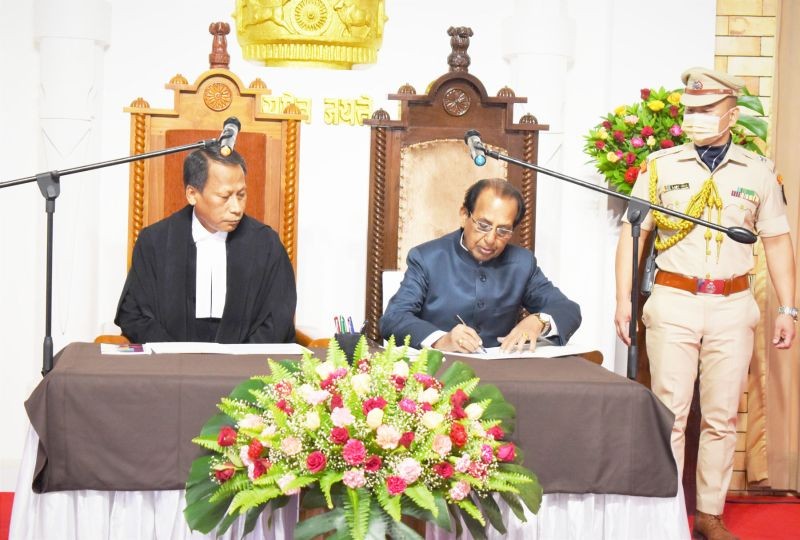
(476, 151)
(228, 137)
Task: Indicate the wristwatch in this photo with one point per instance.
(790, 311)
(546, 324)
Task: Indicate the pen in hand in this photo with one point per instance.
(465, 324)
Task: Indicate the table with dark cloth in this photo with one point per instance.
(111, 422)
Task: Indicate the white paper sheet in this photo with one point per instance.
(273, 349)
(123, 349)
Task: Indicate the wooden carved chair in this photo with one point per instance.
(269, 144)
(420, 166)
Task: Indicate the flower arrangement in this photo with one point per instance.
(368, 442)
(622, 141)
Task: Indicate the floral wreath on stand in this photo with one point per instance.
(620, 144)
(367, 443)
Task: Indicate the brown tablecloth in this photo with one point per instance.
(126, 422)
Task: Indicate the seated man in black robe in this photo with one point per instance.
(209, 272)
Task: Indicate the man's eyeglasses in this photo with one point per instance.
(486, 228)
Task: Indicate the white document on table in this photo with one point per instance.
(188, 347)
(542, 351)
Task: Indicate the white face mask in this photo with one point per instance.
(703, 127)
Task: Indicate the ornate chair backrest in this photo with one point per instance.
(269, 144)
(420, 166)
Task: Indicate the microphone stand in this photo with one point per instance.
(637, 211)
(49, 185)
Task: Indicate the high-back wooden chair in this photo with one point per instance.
(269, 143)
(420, 166)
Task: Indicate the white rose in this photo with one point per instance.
(431, 395)
(325, 369)
(474, 411)
(432, 419)
(311, 421)
(360, 384)
(374, 418)
(400, 368)
(305, 391)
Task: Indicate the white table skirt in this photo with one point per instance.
(129, 515)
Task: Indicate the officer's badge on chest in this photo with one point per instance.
(746, 194)
(673, 187)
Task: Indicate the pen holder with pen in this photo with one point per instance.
(347, 342)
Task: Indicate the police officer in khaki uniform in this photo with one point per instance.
(701, 315)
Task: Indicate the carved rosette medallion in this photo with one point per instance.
(217, 96)
(456, 102)
(322, 33)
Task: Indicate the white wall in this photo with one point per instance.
(609, 49)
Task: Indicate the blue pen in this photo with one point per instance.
(352, 328)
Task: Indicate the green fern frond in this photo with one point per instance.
(499, 485)
(391, 504)
(325, 483)
(235, 408)
(209, 442)
(245, 500)
(472, 510)
(423, 498)
(361, 350)
(278, 371)
(356, 507)
(233, 485)
(512, 478)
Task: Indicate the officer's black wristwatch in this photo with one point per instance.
(790, 311)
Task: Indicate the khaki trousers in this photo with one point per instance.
(709, 335)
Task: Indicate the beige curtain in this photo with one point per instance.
(783, 368)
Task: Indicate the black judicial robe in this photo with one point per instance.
(158, 300)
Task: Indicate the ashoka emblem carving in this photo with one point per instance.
(310, 15)
(217, 96)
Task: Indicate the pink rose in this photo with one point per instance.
(457, 413)
(618, 153)
(459, 491)
(258, 468)
(496, 432)
(316, 397)
(478, 470)
(647, 131)
(227, 436)
(443, 469)
(487, 454)
(336, 401)
(675, 130)
(506, 452)
(599, 144)
(606, 124)
(406, 439)
(285, 406)
(395, 485)
(426, 407)
(354, 478)
(339, 435)
(673, 111)
(373, 464)
(354, 452)
(442, 444)
(619, 136)
(462, 463)
(630, 157)
(631, 174)
(637, 142)
(254, 449)
(644, 93)
(427, 381)
(283, 388)
(399, 382)
(224, 474)
(666, 143)
(407, 405)
(316, 461)
(458, 434)
(409, 470)
(458, 398)
(291, 446)
(373, 403)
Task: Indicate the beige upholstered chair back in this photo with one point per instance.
(420, 166)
